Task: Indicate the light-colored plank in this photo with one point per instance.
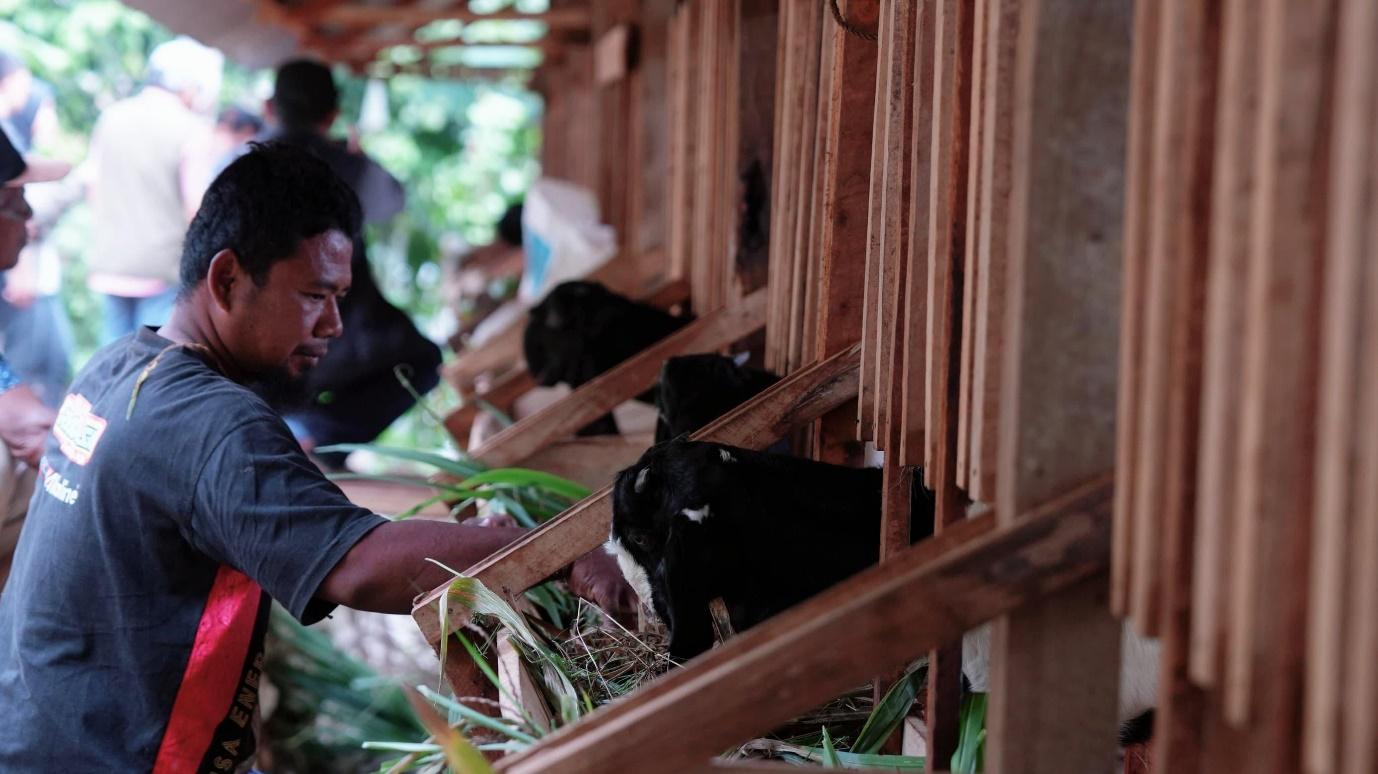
(877, 619)
(351, 15)
(1340, 429)
(849, 106)
(796, 400)
(1273, 508)
(997, 129)
(683, 75)
(914, 415)
(875, 215)
(1138, 185)
(1236, 119)
(811, 32)
(520, 700)
(630, 378)
(971, 242)
(500, 394)
(1055, 663)
(590, 461)
(784, 180)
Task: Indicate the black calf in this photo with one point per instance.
(695, 521)
(582, 329)
(697, 389)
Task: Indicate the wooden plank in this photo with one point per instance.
(913, 418)
(899, 184)
(1236, 119)
(1055, 663)
(500, 352)
(389, 498)
(793, 401)
(633, 376)
(1360, 718)
(947, 199)
(1194, 47)
(571, 18)
(784, 181)
(877, 619)
(976, 156)
(997, 129)
(520, 700)
(804, 338)
(683, 75)
(757, 50)
(811, 30)
(1336, 577)
(1139, 185)
(875, 216)
(850, 103)
(1273, 509)
(611, 55)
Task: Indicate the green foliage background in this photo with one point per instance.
(463, 150)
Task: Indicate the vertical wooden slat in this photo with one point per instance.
(808, 332)
(913, 431)
(846, 196)
(1055, 664)
(1360, 717)
(991, 266)
(811, 31)
(1273, 507)
(976, 156)
(875, 220)
(784, 189)
(1137, 186)
(1236, 121)
(947, 200)
(1193, 45)
(1340, 430)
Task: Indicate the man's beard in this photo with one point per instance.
(282, 390)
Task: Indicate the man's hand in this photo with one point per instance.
(595, 577)
(24, 423)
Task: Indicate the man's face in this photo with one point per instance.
(14, 219)
(282, 330)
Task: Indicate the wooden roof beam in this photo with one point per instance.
(368, 16)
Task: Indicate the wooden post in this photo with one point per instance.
(1055, 663)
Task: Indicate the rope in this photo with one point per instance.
(848, 26)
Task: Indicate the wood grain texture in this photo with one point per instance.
(1055, 664)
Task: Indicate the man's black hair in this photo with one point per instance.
(510, 226)
(263, 206)
(304, 94)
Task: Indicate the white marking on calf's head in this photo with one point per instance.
(696, 515)
(631, 570)
(641, 480)
(726, 455)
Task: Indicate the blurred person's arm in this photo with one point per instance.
(24, 420)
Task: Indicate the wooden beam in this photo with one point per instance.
(621, 383)
(590, 461)
(501, 394)
(793, 401)
(1055, 663)
(568, 18)
(878, 619)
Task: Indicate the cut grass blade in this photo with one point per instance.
(971, 740)
(830, 758)
(459, 754)
(889, 714)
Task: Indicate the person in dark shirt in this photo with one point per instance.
(354, 394)
(174, 503)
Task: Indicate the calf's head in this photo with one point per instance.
(663, 520)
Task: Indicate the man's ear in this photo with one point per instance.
(224, 277)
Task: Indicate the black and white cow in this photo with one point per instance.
(695, 521)
(582, 329)
(694, 390)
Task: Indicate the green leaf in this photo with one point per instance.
(457, 468)
(890, 712)
(971, 740)
(830, 758)
(523, 477)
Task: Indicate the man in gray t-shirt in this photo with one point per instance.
(174, 503)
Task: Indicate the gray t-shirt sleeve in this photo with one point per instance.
(263, 508)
